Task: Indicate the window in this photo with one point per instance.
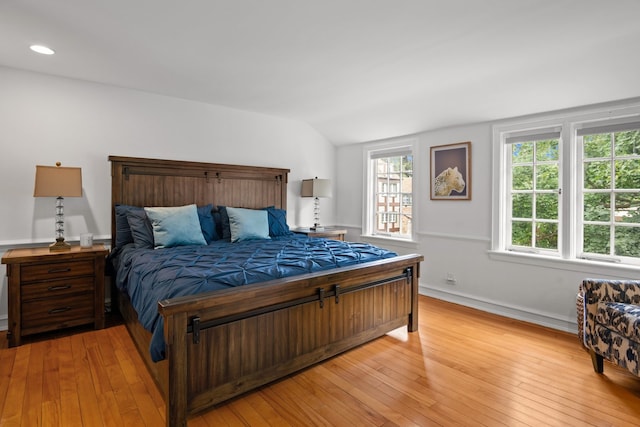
(610, 203)
(569, 188)
(534, 191)
(388, 209)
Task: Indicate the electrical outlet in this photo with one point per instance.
(451, 279)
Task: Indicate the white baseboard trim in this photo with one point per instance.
(514, 312)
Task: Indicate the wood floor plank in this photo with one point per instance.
(69, 401)
(51, 410)
(370, 399)
(244, 410)
(459, 377)
(98, 370)
(32, 404)
(415, 410)
(109, 412)
(148, 409)
(463, 367)
(282, 397)
(88, 401)
(16, 388)
(331, 404)
(7, 358)
(51, 372)
(261, 406)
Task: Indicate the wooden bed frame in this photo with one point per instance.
(224, 343)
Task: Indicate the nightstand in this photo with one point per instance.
(328, 232)
(54, 290)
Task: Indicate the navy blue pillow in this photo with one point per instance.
(141, 229)
(207, 223)
(224, 221)
(277, 222)
(123, 230)
(217, 222)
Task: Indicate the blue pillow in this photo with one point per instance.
(224, 223)
(248, 224)
(141, 229)
(123, 230)
(175, 226)
(217, 221)
(277, 222)
(207, 225)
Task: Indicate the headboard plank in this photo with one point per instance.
(153, 182)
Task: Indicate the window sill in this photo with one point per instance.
(588, 267)
(396, 241)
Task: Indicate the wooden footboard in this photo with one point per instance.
(224, 343)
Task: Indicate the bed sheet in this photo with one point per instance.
(149, 275)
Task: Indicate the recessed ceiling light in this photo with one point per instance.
(42, 49)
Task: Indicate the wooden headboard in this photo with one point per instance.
(153, 182)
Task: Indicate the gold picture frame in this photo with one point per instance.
(450, 171)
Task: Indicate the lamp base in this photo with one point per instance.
(317, 227)
(60, 245)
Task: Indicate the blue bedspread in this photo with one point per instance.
(149, 275)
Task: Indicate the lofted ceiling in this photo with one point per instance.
(355, 70)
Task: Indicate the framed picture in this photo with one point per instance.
(451, 171)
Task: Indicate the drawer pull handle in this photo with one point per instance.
(59, 270)
(59, 310)
(58, 288)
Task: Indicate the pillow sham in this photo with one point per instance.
(248, 224)
(175, 226)
(277, 222)
(207, 224)
(217, 221)
(224, 223)
(141, 229)
(123, 230)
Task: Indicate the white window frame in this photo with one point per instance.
(383, 149)
(567, 256)
(536, 134)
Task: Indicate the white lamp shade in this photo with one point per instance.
(316, 188)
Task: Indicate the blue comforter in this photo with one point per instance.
(149, 275)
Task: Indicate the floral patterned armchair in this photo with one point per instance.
(609, 324)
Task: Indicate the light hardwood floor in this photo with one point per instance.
(463, 367)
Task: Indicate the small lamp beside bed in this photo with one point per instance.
(316, 188)
(59, 182)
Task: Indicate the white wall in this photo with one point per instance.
(454, 237)
(44, 119)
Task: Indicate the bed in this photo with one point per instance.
(228, 340)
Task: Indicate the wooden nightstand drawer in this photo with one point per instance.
(54, 288)
(55, 313)
(56, 270)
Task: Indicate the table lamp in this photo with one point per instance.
(60, 182)
(316, 188)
